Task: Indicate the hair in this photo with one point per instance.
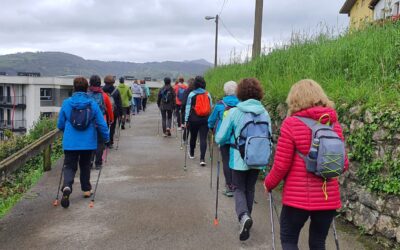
(230, 88)
(181, 79)
(167, 81)
(80, 84)
(199, 82)
(142, 82)
(109, 80)
(250, 88)
(121, 80)
(95, 81)
(305, 94)
(191, 84)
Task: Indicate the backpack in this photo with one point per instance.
(326, 156)
(80, 117)
(224, 114)
(181, 93)
(98, 98)
(201, 104)
(112, 100)
(166, 95)
(254, 142)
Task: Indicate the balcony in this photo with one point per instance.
(16, 126)
(10, 101)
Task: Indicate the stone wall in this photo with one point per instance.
(375, 214)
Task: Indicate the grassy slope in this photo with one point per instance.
(357, 68)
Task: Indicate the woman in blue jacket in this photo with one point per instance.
(78, 144)
(244, 178)
(214, 122)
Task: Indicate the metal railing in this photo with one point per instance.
(17, 160)
(9, 124)
(11, 100)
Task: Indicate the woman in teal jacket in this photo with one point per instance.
(244, 179)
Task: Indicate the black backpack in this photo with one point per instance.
(81, 117)
(166, 95)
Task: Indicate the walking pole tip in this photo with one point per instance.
(91, 204)
(216, 222)
(55, 203)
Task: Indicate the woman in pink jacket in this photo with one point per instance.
(305, 195)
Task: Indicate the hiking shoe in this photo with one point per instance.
(87, 194)
(245, 224)
(164, 134)
(65, 197)
(179, 129)
(98, 167)
(191, 156)
(168, 131)
(123, 127)
(203, 163)
(228, 193)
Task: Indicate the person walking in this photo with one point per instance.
(137, 94)
(166, 104)
(80, 138)
(214, 122)
(244, 177)
(126, 96)
(146, 94)
(305, 195)
(179, 89)
(102, 99)
(116, 103)
(183, 107)
(198, 109)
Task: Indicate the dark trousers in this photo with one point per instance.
(166, 119)
(178, 113)
(112, 130)
(125, 115)
(144, 104)
(245, 186)
(225, 163)
(97, 156)
(292, 221)
(138, 104)
(196, 128)
(71, 160)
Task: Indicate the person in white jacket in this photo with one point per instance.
(137, 95)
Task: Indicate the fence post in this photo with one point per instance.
(47, 158)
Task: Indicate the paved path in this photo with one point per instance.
(145, 201)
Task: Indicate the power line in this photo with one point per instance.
(223, 6)
(230, 33)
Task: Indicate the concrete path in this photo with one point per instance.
(145, 201)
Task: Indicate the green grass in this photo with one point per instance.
(361, 67)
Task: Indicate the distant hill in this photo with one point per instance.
(59, 64)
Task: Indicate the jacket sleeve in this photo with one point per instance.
(211, 102)
(129, 92)
(147, 92)
(212, 120)
(101, 124)
(61, 118)
(225, 130)
(283, 157)
(188, 106)
(110, 112)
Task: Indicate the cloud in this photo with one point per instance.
(153, 30)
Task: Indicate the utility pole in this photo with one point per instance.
(257, 29)
(216, 37)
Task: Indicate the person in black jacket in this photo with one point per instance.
(116, 100)
(166, 103)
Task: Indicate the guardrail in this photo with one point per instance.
(41, 146)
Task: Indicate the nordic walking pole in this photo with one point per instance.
(186, 146)
(216, 222)
(181, 139)
(119, 133)
(55, 203)
(335, 234)
(272, 220)
(91, 204)
(211, 158)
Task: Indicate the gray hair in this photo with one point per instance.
(230, 88)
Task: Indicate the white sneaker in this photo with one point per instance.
(191, 156)
(179, 129)
(203, 163)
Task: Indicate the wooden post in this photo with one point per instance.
(47, 158)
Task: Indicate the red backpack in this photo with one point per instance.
(201, 104)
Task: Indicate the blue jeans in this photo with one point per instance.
(138, 104)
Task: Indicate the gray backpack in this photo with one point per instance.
(327, 152)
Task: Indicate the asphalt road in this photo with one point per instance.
(145, 201)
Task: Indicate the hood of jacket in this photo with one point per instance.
(122, 86)
(108, 89)
(252, 106)
(316, 113)
(230, 100)
(199, 91)
(95, 89)
(80, 100)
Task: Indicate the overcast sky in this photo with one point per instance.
(154, 30)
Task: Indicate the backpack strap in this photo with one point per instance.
(310, 123)
(115, 90)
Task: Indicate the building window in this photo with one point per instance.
(396, 9)
(1, 114)
(46, 94)
(8, 116)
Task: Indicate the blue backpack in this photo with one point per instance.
(80, 117)
(181, 93)
(254, 142)
(98, 98)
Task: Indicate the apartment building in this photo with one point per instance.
(24, 99)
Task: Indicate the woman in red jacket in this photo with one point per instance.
(304, 194)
